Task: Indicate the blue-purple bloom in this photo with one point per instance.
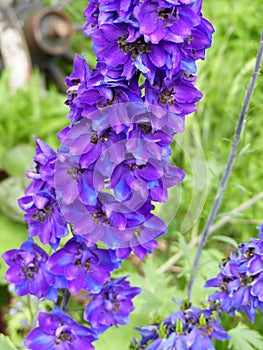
(116, 225)
(58, 331)
(28, 271)
(112, 306)
(93, 90)
(189, 328)
(240, 280)
(83, 267)
(43, 214)
(128, 159)
(148, 36)
(178, 95)
(112, 165)
(44, 163)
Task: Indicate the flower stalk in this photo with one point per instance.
(228, 169)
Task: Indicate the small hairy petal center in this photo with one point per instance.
(138, 47)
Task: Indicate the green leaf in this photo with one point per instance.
(18, 160)
(226, 239)
(244, 338)
(183, 246)
(5, 343)
(156, 293)
(11, 189)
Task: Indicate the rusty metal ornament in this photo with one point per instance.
(33, 34)
(48, 31)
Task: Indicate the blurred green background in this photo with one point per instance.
(223, 78)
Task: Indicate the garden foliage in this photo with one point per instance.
(91, 205)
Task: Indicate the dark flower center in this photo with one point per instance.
(78, 263)
(223, 285)
(42, 214)
(29, 271)
(167, 97)
(225, 261)
(189, 39)
(112, 299)
(87, 264)
(116, 306)
(100, 217)
(249, 253)
(208, 330)
(64, 336)
(71, 96)
(146, 128)
(165, 13)
(138, 47)
(137, 232)
(105, 135)
(132, 167)
(38, 166)
(108, 101)
(73, 172)
(94, 139)
(103, 138)
(246, 280)
(75, 81)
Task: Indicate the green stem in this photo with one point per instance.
(228, 169)
(65, 300)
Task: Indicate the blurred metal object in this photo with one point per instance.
(48, 31)
(31, 33)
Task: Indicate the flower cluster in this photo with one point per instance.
(81, 267)
(114, 157)
(148, 36)
(189, 328)
(111, 306)
(28, 271)
(43, 214)
(59, 331)
(111, 167)
(240, 280)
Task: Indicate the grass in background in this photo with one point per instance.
(223, 78)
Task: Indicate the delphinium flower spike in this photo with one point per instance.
(240, 280)
(189, 328)
(111, 167)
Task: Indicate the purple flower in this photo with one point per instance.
(240, 280)
(58, 331)
(83, 267)
(141, 240)
(121, 227)
(44, 217)
(148, 36)
(200, 39)
(44, 163)
(92, 161)
(189, 328)
(112, 306)
(99, 12)
(123, 48)
(43, 214)
(161, 20)
(28, 271)
(150, 179)
(95, 90)
(177, 95)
